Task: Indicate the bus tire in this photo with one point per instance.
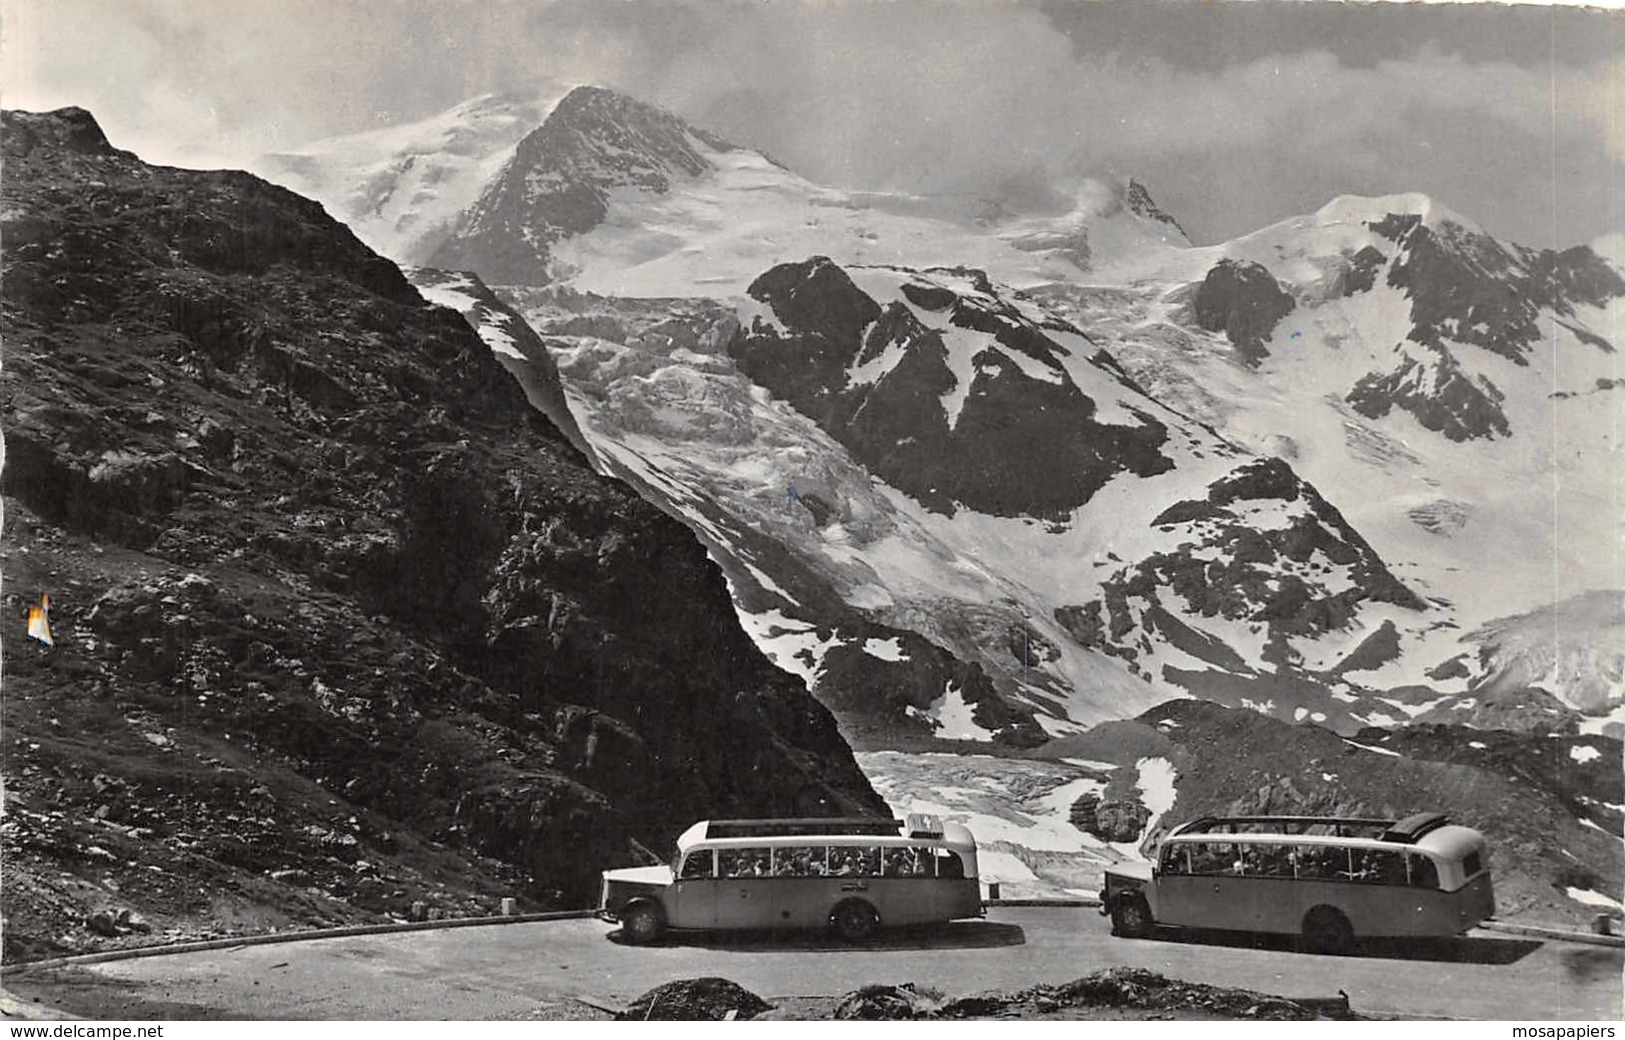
(854, 920)
(1326, 930)
(1131, 918)
(642, 923)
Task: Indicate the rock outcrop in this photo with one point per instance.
(949, 391)
(1242, 300)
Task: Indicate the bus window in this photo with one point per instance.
(1175, 860)
(697, 865)
(1243, 860)
(1424, 872)
(854, 862)
(1471, 864)
(742, 863)
(1323, 863)
(799, 861)
(1211, 857)
(1380, 866)
(949, 865)
(901, 863)
(1272, 861)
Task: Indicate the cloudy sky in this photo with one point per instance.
(1233, 114)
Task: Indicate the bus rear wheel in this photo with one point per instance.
(1131, 918)
(854, 920)
(642, 923)
(1326, 930)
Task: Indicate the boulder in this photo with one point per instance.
(707, 999)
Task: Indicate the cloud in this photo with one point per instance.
(977, 97)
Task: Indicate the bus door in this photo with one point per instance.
(1202, 885)
(744, 888)
(693, 902)
(1177, 887)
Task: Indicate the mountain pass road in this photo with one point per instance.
(504, 971)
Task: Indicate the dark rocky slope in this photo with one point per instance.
(1018, 394)
(1244, 301)
(341, 622)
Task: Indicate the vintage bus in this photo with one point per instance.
(1326, 879)
(850, 875)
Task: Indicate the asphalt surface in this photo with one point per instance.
(513, 970)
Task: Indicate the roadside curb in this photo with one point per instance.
(1535, 930)
(1079, 901)
(1543, 932)
(198, 946)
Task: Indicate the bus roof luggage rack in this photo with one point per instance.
(806, 825)
(1413, 827)
(1280, 824)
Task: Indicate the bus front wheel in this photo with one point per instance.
(1326, 930)
(1131, 918)
(642, 923)
(855, 920)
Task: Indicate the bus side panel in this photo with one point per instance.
(1474, 902)
(958, 898)
(1278, 906)
(1219, 901)
(1393, 910)
(902, 901)
(748, 903)
(692, 903)
(808, 902)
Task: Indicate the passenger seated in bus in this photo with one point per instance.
(1387, 868)
(899, 863)
(1211, 859)
(737, 863)
(843, 862)
(1322, 864)
(697, 865)
(815, 861)
(797, 862)
(1275, 861)
(1424, 873)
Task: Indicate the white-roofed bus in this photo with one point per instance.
(853, 876)
(1327, 879)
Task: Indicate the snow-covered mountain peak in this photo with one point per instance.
(599, 153)
(1362, 209)
(400, 188)
(1611, 247)
(614, 140)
